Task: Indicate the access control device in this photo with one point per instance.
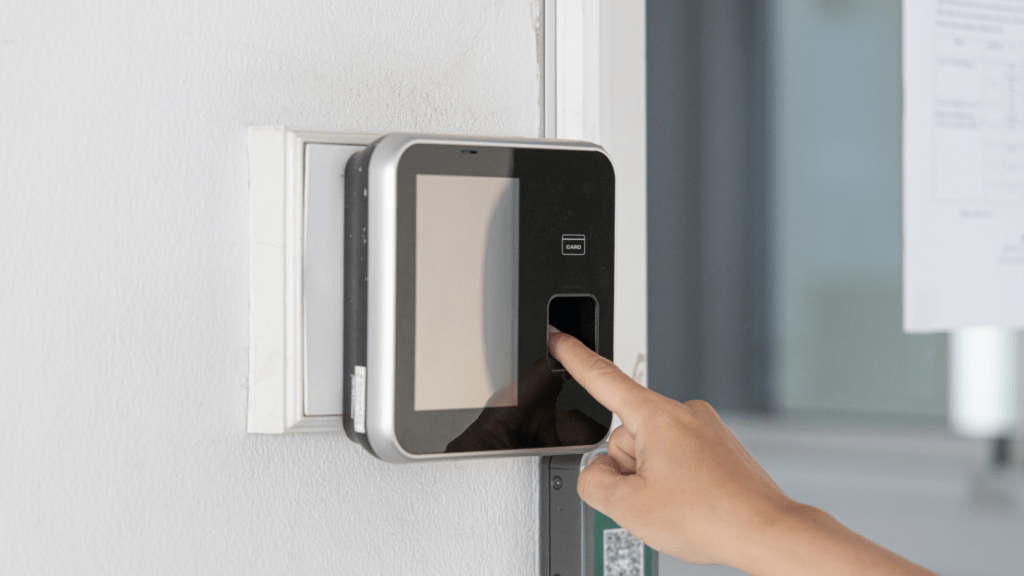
(458, 254)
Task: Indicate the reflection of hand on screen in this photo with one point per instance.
(535, 421)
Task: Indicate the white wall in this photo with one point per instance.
(123, 285)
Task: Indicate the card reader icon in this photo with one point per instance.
(574, 244)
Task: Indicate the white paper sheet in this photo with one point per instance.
(963, 164)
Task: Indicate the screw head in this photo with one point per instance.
(556, 482)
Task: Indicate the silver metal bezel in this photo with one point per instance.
(381, 291)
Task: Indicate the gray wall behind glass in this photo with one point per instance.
(707, 238)
(836, 223)
(774, 217)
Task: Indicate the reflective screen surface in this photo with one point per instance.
(479, 255)
(467, 263)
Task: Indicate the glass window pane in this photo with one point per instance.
(836, 117)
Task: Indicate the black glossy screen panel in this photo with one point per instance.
(562, 194)
(576, 315)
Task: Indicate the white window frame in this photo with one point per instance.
(595, 89)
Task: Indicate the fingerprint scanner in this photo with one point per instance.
(574, 314)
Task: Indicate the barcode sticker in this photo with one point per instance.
(623, 553)
(359, 399)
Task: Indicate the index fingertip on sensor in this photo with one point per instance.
(576, 315)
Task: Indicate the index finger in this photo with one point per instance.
(601, 378)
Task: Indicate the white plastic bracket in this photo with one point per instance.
(296, 203)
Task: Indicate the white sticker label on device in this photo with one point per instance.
(359, 399)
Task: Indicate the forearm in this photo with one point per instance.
(805, 540)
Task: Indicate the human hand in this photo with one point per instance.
(677, 478)
(674, 476)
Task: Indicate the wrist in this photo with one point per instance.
(783, 539)
(777, 528)
(797, 539)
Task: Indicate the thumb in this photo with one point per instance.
(605, 488)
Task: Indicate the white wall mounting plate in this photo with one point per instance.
(296, 203)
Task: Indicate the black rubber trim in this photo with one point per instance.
(356, 273)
